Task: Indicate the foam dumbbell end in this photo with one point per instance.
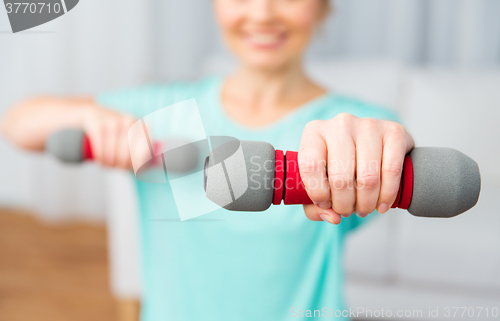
(69, 145)
(446, 182)
(238, 175)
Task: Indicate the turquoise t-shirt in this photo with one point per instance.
(238, 265)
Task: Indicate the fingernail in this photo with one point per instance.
(326, 218)
(382, 208)
(325, 205)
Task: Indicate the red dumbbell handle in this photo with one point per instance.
(288, 185)
(87, 148)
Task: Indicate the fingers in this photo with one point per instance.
(312, 165)
(116, 152)
(368, 162)
(368, 151)
(123, 158)
(108, 133)
(111, 132)
(316, 213)
(396, 146)
(341, 166)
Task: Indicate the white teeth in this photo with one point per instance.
(265, 39)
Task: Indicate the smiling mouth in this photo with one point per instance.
(265, 40)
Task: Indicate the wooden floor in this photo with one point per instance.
(53, 272)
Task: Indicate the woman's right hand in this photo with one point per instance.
(108, 134)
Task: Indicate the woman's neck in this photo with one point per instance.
(256, 97)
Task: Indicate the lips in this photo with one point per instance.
(265, 40)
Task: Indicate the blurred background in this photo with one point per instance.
(436, 62)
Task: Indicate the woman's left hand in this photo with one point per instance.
(350, 164)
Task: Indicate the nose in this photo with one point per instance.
(261, 10)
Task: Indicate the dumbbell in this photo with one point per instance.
(251, 175)
(73, 146)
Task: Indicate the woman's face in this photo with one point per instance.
(269, 34)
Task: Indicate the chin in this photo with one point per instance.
(266, 63)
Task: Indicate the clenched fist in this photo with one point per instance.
(351, 165)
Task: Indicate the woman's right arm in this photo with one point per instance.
(29, 124)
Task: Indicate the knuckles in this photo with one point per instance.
(393, 169)
(389, 196)
(395, 129)
(369, 127)
(340, 180)
(344, 210)
(342, 124)
(309, 165)
(344, 118)
(345, 122)
(367, 179)
(313, 127)
(370, 123)
(319, 195)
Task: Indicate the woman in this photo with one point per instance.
(247, 266)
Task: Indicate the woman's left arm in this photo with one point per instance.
(351, 165)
